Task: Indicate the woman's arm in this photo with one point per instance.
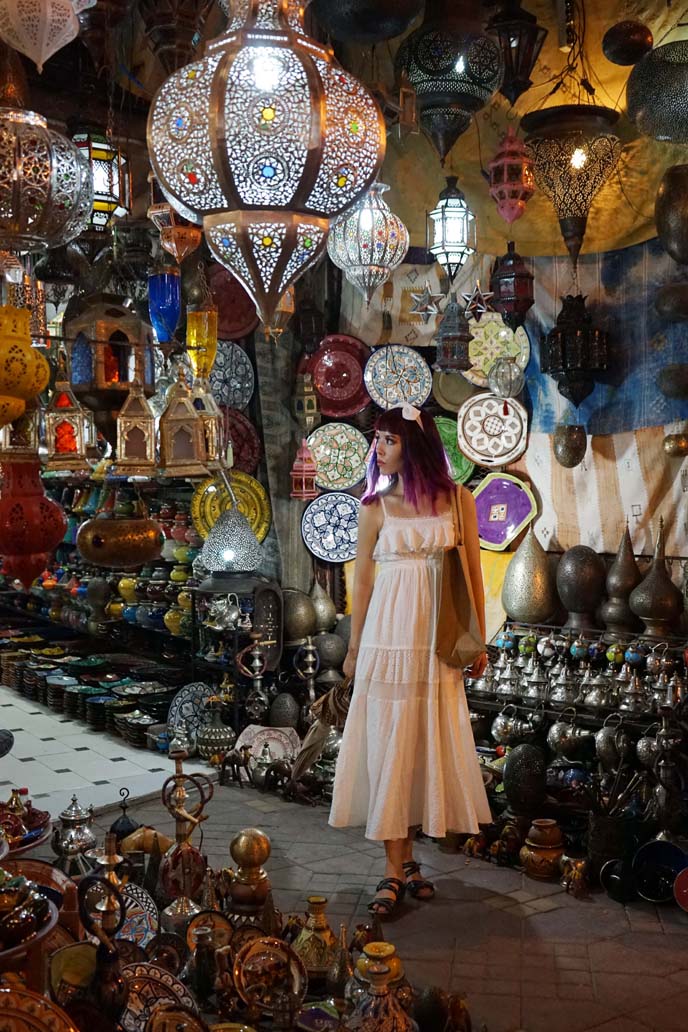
(364, 575)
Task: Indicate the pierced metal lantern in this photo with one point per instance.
(305, 406)
(136, 435)
(65, 427)
(453, 338)
(38, 28)
(19, 440)
(574, 351)
(512, 182)
(46, 188)
(368, 242)
(657, 92)
(303, 474)
(111, 175)
(182, 440)
(511, 283)
(450, 229)
(574, 151)
(454, 68)
(178, 236)
(520, 40)
(263, 141)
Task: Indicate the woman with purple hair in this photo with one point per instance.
(407, 757)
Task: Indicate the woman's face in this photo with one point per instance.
(388, 453)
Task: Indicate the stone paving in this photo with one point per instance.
(527, 955)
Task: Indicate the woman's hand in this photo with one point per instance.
(478, 667)
(349, 667)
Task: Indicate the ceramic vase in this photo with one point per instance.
(657, 600)
(215, 739)
(622, 578)
(528, 592)
(316, 943)
(543, 849)
(581, 576)
(378, 1009)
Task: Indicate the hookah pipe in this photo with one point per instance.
(174, 797)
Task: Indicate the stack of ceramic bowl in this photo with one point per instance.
(136, 726)
(95, 711)
(42, 676)
(117, 710)
(86, 691)
(70, 706)
(57, 684)
(85, 664)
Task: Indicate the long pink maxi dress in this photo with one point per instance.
(407, 756)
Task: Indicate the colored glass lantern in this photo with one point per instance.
(453, 66)
(201, 338)
(303, 474)
(182, 441)
(111, 175)
(178, 236)
(520, 40)
(212, 420)
(38, 28)
(512, 182)
(511, 283)
(136, 435)
(19, 440)
(368, 242)
(165, 302)
(451, 229)
(24, 372)
(65, 427)
(31, 523)
(574, 351)
(574, 152)
(452, 339)
(300, 140)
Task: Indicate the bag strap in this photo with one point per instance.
(456, 515)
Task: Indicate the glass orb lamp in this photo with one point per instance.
(574, 151)
(263, 141)
(368, 242)
(520, 40)
(450, 229)
(111, 176)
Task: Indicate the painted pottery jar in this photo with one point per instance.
(316, 943)
(543, 849)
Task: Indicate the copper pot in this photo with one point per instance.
(119, 543)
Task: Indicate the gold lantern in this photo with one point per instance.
(65, 427)
(24, 372)
(211, 417)
(19, 440)
(182, 439)
(136, 435)
(305, 406)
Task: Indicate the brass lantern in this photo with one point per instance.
(65, 427)
(136, 435)
(182, 439)
(211, 418)
(19, 440)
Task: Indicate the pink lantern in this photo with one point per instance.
(512, 182)
(303, 474)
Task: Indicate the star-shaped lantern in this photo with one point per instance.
(477, 302)
(426, 304)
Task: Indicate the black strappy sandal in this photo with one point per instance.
(419, 888)
(385, 906)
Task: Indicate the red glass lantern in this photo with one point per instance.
(512, 182)
(520, 40)
(31, 524)
(303, 474)
(511, 283)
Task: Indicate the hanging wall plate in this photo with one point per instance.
(504, 506)
(340, 452)
(329, 527)
(244, 437)
(490, 431)
(492, 339)
(396, 374)
(461, 468)
(211, 498)
(236, 312)
(337, 370)
(232, 379)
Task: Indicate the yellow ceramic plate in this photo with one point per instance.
(211, 498)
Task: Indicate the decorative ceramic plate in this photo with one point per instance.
(150, 986)
(236, 312)
(189, 708)
(211, 499)
(337, 370)
(340, 453)
(329, 527)
(450, 390)
(168, 951)
(264, 969)
(169, 1017)
(24, 1011)
(141, 920)
(488, 434)
(244, 437)
(505, 505)
(220, 926)
(284, 742)
(461, 467)
(492, 339)
(70, 970)
(41, 872)
(232, 379)
(396, 374)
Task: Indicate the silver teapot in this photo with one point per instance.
(612, 743)
(536, 687)
(633, 698)
(565, 738)
(647, 747)
(508, 683)
(600, 694)
(564, 690)
(484, 685)
(508, 728)
(73, 838)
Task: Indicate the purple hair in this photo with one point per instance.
(425, 469)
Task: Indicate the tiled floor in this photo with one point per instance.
(56, 758)
(528, 956)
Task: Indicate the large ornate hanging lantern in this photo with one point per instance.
(24, 372)
(38, 28)
(454, 68)
(451, 229)
(657, 93)
(520, 40)
(111, 176)
(511, 283)
(264, 141)
(512, 182)
(574, 351)
(46, 189)
(575, 152)
(368, 242)
(31, 524)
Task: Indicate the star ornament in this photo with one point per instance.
(426, 304)
(477, 302)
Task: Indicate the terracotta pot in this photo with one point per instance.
(541, 861)
(544, 832)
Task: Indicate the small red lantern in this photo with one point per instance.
(512, 182)
(511, 283)
(303, 474)
(31, 524)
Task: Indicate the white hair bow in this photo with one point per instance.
(411, 412)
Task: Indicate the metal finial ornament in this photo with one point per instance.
(425, 303)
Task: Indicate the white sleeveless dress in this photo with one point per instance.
(407, 756)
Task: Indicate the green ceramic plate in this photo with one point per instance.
(461, 467)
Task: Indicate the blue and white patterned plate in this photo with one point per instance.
(189, 708)
(395, 375)
(232, 379)
(329, 527)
